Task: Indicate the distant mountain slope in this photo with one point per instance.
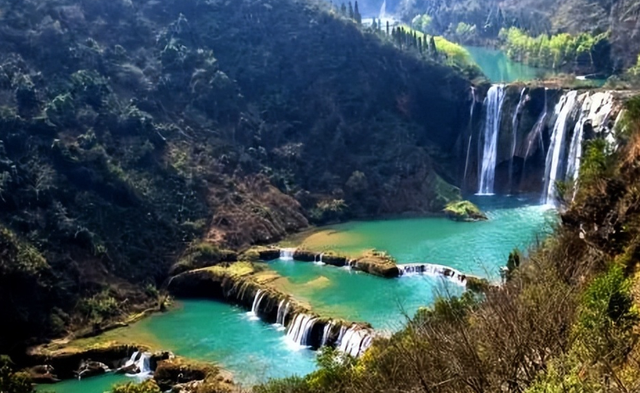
(621, 17)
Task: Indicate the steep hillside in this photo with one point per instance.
(132, 130)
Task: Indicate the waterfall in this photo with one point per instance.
(493, 104)
(432, 270)
(383, 10)
(326, 332)
(514, 135)
(286, 254)
(300, 329)
(595, 109)
(355, 341)
(255, 308)
(554, 162)
(575, 150)
(473, 105)
(318, 259)
(283, 310)
(142, 361)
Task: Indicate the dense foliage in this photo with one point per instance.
(582, 53)
(480, 22)
(140, 135)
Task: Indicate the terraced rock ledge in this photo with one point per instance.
(373, 262)
(250, 286)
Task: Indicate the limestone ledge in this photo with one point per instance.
(373, 262)
(239, 284)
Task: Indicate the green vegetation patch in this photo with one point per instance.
(464, 211)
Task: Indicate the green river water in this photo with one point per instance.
(254, 351)
(497, 66)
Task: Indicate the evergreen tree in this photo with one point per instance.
(387, 27)
(356, 15)
(343, 9)
(433, 48)
(350, 10)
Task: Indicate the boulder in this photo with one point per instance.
(464, 211)
(378, 265)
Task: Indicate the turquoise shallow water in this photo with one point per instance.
(478, 248)
(255, 351)
(499, 68)
(90, 385)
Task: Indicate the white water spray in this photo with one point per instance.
(493, 104)
(554, 162)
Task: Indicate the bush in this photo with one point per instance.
(148, 386)
(11, 381)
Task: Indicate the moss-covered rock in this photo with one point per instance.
(464, 211)
(378, 263)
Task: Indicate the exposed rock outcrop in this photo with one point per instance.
(70, 362)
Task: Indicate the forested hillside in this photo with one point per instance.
(480, 22)
(132, 131)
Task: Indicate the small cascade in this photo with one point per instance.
(554, 162)
(253, 314)
(433, 270)
(355, 341)
(514, 134)
(493, 104)
(300, 329)
(318, 259)
(326, 332)
(283, 310)
(473, 105)
(286, 254)
(142, 362)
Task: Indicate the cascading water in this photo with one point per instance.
(253, 314)
(514, 134)
(326, 332)
(355, 341)
(493, 105)
(300, 330)
(318, 259)
(283, 310)
(596, 110)
(286, 254)
(142, 362)
(553, 165)
(433, 270)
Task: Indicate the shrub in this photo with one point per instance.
(148, 386)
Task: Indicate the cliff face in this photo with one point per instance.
(129, 129)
